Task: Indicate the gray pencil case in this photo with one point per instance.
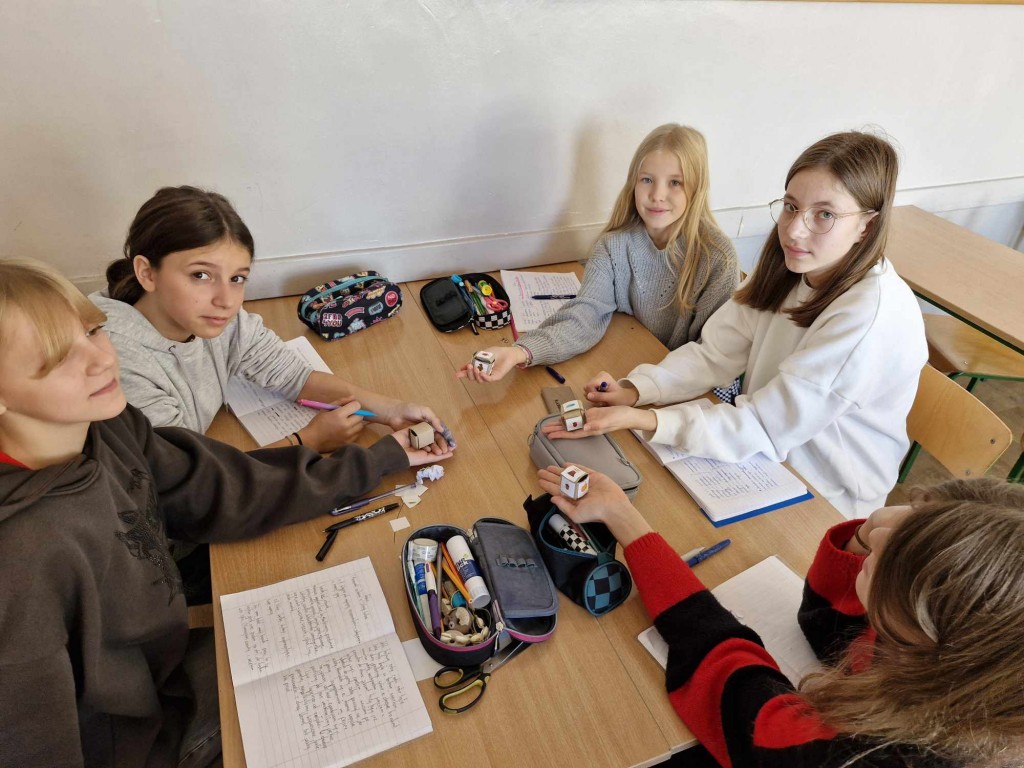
(598, 452)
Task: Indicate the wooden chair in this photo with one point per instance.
(956, 349)
(954, 426)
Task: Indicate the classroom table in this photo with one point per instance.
(974, 278)
(591, 695)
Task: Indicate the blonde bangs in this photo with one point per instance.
(47, 300)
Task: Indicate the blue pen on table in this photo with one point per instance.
(332, 407)
(555, 374)
(553, 296)
(363, 502)
(699, 555)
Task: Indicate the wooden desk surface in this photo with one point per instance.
(512, 407)
(966, 274)
(555, 703)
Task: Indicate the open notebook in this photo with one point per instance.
(727, 492)
(765, 597)
(266, 415)
(521, 286)
(320, 676)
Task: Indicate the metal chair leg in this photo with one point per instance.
(908, 462)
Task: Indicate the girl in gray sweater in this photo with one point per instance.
(174, 313)
(662, 258)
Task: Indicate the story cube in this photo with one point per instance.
(574, 483)
(572, 415)
(421, 435)
(483, 361)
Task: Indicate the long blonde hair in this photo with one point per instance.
(946, 673)
(696, 227)
(867, 167)
(46, 298)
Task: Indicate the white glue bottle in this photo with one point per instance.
(466, 565)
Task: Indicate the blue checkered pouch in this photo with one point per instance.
(594, 579)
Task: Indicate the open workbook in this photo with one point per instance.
(266, 415)
(320, 676)
(727, 492)
(766, 598)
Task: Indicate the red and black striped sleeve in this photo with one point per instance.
(720, 679)
(831, 615)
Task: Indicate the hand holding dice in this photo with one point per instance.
(483, 361)
(572, 415)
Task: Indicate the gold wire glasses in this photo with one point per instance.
(818, 220)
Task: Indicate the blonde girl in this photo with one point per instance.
(829, 337)
(661, 258)
(916, 611)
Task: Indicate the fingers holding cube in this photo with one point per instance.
(421, 435)
(572, 415)
(483, 361)
(574, 482)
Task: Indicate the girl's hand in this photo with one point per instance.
(875, 531)
(419, 456)
(329, 430)
(604, 389)
(505, 359)
(604, 503)
(598, 421)
(401, 416)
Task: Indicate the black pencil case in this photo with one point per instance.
(524, 602)
(449, 309)
(341, 307)
(599, 583)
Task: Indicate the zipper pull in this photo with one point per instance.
(499, 621)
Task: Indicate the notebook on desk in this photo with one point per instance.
(727, 492)
(320, 676)
(266, 415)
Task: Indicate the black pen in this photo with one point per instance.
(555, 374)
(553, 296)
(332, 529)
(326, 547)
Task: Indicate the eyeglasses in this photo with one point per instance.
(817, 220)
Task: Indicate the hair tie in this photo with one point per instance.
(298, 437)
(856, 535)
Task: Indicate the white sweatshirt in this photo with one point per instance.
(831, 399)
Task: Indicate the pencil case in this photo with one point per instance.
(450, 309)
(524, 601)
(599, 583)
(341, 307)
(598, 452)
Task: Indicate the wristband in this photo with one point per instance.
(856, 535)
(298, 437)
(529, 356)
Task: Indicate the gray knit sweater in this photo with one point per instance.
(627, 273)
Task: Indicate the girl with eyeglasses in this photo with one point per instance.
(829, 338)
(661, 258)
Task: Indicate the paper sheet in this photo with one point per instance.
(765, 597)
(266, 415)
(321, 679)
(520, 286)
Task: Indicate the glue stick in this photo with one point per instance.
(466, 565)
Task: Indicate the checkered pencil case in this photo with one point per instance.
(594, 580)
(451, 308)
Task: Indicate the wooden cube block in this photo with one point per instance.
(572, 415)
(484, 361)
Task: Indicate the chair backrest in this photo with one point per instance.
(955, 427)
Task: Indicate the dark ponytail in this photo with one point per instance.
(174, 219)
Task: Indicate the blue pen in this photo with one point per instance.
(555, 374)
(553, 296)
(332, 407)
(706, 552)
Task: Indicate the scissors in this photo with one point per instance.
(456, 681)
(494, 304)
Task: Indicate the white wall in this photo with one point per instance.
(423, 137)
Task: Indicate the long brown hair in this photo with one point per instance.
(952, 576)
(697, 227)
(174, 219)
(867, 167)
(47, 299)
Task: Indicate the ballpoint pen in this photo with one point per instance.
(363, 502)
(555, 374)
(360, 517)
(553, 296)
(699, 555)
(332, 407)
(326, 547)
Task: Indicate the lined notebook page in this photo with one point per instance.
(266, 415)
(320, 677)
(520, 286)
